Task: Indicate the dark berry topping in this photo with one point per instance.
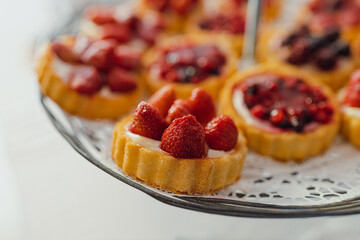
(286, 102)
(233, 23)
(189, 64)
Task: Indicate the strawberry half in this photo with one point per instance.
(201, 105)
(178, 109)
(221, 133)
(163, 99)
(147, 122)
(85, 80)
(120, 80)
(64, 52)
(184, 138)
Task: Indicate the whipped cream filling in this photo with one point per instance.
(352, 111)
(243, 111)
(155, 145)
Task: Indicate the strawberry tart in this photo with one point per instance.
(90, 79)
(350, 98)
(326, 56)
(179, 145)
(284, 114)
(188, 62)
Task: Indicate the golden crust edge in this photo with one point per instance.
(186, 176)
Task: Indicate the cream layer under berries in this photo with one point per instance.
(325, 54)
(180, 145)
(123, 24)
(91, 79)
(188, 62)
(350, 99)
(284, 114)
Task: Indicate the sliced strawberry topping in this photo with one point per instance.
(118, 31)
(100, 15)
(85, 80)
(184, 138)
(178, 109)
(159, 5)
(182, 6)
(127, 57)
(148, 29)
(65, 53)
(147, 122)
(163, 99)
(352, 97)
(221, 133)
(120, 80)
(201, 105)
(99, 54)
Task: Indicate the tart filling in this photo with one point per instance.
(192, 63)
(231, 23)
(278, 103)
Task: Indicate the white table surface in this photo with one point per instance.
(47, 191)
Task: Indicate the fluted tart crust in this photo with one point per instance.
(284, 145)
(160, 169)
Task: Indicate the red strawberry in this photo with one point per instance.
(100, 15)
(127, 57)
(181, 6)
(201, 105)
(85, 80)
(120, 80)
(178, 109)
(65, 53)
(163, 99)
(147, 122)
(184, 138)
(221, 133)
(99, 54)
(117, 31)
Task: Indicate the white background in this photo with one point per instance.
(47, 191)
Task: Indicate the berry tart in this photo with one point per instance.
(326, 56)
(90, 79)
(188, 62)
(123, 24)
(283, 113)
(180, 145)
(350, 99)
(325, 14)
(174, 12)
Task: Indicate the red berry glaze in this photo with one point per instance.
(127, 57)
(120, 80)
(184, 138)
(201, 105)
(163, 99)
(178, 109)
(352, 96)
(147, 122)
(286, 102)
(99, 54)
(65, 53)
(118, 31)
(189, 63)
(85, 80)
(221, 133)
(233, 22)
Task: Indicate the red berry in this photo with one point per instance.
(120, 80)
(277, 116)
(100, 15)
(159, 5)
(322, 117)
(64, 52)
(148, 30)
(119, 32)
(178, 109)
(163, 99)
(201, 105)
(221, 133)
(99, 54)
(258, 111)
(127, 57)
(184, 138)
(147, 122)
(85, 80)
(181, 6)
(352, 97)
